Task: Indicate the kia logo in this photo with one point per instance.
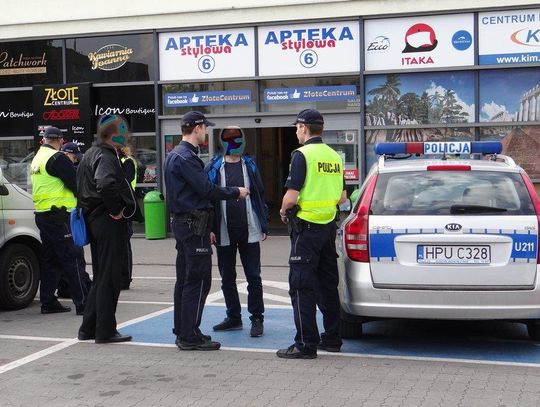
(453, 227)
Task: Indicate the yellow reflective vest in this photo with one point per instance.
(323, 185)
(47, 190)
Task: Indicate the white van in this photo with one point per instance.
(19, 247)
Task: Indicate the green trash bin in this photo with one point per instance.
(154, 215)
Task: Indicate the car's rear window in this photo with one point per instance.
(451, 192)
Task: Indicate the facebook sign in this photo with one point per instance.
(309, 94)
(224, 97)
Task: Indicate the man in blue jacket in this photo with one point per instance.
(239, 225)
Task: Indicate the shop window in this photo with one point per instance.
(510, 100)
(209, 97)
(30, 63)
(419, 98)
(15, 159)
(16, 114)
(323, 93)
(136, 103)
(413, 135)
(522, 143)
(119, 58)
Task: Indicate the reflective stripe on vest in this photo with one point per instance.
(323, 185)
(134, 180)
(48, 191)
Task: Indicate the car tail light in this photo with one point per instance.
(536, 202)
(449, 167)
(356, 230)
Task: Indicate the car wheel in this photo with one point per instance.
(19, 276)
(351, 326)
(533, 328)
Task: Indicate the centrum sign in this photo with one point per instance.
(309, 94)
(225, 97)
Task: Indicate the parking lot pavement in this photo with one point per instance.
(396, 363)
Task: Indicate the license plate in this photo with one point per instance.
(447, 254)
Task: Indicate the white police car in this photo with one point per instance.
(439, 238)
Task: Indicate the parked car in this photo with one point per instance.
(18, 170)
(439, 238)
(19, 247)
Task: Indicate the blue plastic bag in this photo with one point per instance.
(78, 227)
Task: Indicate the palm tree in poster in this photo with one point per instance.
(388, 93)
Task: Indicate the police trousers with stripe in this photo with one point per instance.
(313, 281)
(193, 280)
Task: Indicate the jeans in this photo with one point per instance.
(250, 256)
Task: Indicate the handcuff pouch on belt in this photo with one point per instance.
(199, 221)
(294, 223)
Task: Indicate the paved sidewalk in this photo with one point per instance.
(41, 364)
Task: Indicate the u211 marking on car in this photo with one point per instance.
(524, 247)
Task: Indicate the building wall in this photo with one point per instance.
(38, 18)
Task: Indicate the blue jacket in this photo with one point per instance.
(188, 187)
(256, 192)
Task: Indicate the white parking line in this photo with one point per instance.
(355, 355)
(67, 343)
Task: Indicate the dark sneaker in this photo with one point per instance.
(292, 352)
(117, 337)
(257, 328)
(329, 348)
(206, 338)
(83, 336)
(200, 345)
(229, 324)
(54, 308)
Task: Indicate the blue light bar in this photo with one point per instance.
(440, 147)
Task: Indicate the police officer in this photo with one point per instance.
(53, 191)
(315, 187)
(189, 195)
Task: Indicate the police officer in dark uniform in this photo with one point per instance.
(315, 187)
(189, 196)
(53, 191)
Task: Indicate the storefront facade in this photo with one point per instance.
(450, 74)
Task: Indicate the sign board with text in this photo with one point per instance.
(309, 48)
(225, 53)
(419, 42)
(67, 107)
(509, 37)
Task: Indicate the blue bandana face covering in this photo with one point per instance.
(121, 127)
(232, 141)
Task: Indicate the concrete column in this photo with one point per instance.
(526, 110)
(520, 112)
(532, 109)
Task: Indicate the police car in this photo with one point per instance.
(441, 237)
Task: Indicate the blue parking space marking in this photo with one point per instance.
(279, 333)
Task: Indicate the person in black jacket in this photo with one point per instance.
(239, 226)
(189, 196)
(107, 200)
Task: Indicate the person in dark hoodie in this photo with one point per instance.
(239, 226)
(107, 201)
